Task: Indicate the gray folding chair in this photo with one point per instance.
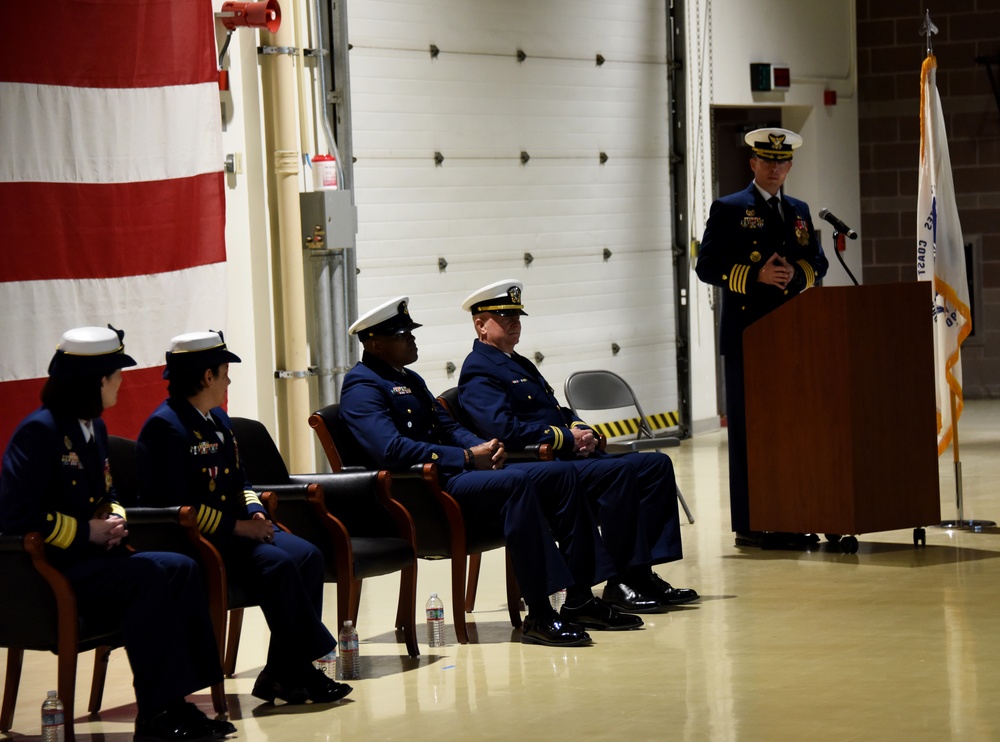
(606, 390)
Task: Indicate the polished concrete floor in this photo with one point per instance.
(891, 643)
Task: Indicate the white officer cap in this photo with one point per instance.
(391, 318)
(90, 350)
(198, 349)
(502, 297)
(773, 144)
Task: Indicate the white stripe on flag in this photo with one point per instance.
(151, 309)
(57, 134)
(941, 253)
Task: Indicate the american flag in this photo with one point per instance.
(112, 202)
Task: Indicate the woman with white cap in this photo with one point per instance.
(56, 481)
(188, 455)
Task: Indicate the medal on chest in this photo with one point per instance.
(213, 472)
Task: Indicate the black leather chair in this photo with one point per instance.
(441, 529)
(349, 516)
(39, 613)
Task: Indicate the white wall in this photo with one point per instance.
(481, 210)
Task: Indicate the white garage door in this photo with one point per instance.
(590, 240)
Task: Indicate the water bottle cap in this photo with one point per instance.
(434, 595)
(53, 694)
(348, 623)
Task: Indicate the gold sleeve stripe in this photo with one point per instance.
(557, 437)
(251, 498)
(208, 519)
(810, 273)
(117, 509)
(738, 278)
(64, 532)
(579, 424)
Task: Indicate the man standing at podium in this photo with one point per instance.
(761, 249)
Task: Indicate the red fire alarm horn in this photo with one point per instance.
(251, 15)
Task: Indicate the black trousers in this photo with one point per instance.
(159, 600)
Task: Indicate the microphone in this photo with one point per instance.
(837, 224)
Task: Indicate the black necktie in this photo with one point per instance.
(775, 204)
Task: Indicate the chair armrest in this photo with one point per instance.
(417, 471)
(536, 452)
(296, 489)
(150, 516)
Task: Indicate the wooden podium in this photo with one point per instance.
(840, 410)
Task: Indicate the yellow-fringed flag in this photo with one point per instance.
(941, 253)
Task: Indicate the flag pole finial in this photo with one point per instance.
(928, 29)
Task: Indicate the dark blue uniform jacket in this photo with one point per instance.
(182, 462)
(53, 482)
(742, 233)
(508, 397)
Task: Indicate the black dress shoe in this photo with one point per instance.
(663, 592)
(322, 689)
(174, 725)
(552, 631)
(596, 614)
(220, 727)
(624, 598)
(270, 686)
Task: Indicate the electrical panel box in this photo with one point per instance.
(329, 220)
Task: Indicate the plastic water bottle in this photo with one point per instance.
(328, 664)
(350, 662)
(53, 719)
(558, 599)
(435, 621)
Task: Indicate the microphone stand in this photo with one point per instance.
(838, 240)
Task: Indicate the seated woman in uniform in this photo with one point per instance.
(187, 455)
(56, 481)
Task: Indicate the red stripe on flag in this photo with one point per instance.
(141, 392)
(110, 43)
(70, 230)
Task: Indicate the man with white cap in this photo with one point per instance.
(56, 481)
(760, 247)
(397, 423)
(188, 455)
(634, 495)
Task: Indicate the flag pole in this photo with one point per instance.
(941, 260)
(960, 522)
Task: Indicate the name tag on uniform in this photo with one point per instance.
(399, 391)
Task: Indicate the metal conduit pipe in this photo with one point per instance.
(291, 341)
(333, 279)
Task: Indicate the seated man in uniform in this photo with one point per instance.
(635, 494)
(188, 455)
(398, 423)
